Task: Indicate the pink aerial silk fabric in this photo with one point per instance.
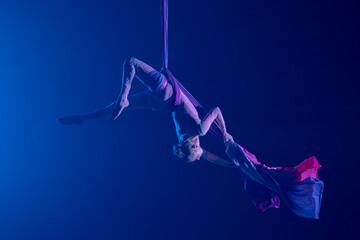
(299, 187)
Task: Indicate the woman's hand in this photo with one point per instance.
(228, 137)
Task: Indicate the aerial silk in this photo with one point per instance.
(299, 187)
(214, 128)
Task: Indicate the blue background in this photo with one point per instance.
(284, 73)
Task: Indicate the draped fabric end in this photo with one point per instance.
(299, 187)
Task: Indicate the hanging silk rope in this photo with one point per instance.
(215, 128)
(299, 187)
(164, 21)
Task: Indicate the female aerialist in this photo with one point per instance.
(298, 186)
(162, 95)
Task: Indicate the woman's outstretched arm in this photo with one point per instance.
(216, 159)
(214, 114)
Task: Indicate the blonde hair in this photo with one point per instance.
(178, 152)
(184, 151)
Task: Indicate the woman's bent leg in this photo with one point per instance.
(145, 73)
(149, 99)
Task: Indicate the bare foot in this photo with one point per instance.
(70, 120)
(119, 107)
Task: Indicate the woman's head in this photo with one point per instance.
(189, 150)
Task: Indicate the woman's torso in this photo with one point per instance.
(186, 119)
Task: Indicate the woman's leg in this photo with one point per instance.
(104, 113)
(141, 100)
(158, 91)
(152, 79)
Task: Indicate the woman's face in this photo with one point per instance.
(195, 150)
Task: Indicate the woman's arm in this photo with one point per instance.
(214, 114)
(217, 160)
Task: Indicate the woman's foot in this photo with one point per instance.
(70, 120)
(119, 107)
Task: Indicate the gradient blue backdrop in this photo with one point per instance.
(284, 73)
